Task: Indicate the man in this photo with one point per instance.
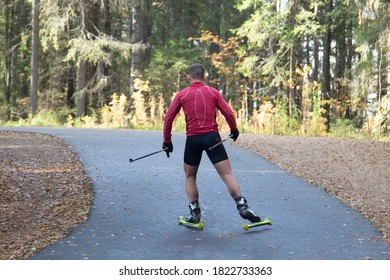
(200, 104)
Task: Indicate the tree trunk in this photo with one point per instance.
(70, 87)
(83, 73)
(383, 71)
(82, 69)
(316, 58)
(137, 29)
(348, 63)
(326, 63)
(140, 55)
(350, 50)
(341, 92)
(215, 48)
(82, 89)
(107, 69)
(316, 49)
(8, 59)
(292, 66)
(291, 84)
(34, 59)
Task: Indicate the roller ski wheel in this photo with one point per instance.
(183, 222)
(266, 221)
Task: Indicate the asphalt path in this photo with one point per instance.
(136, 205)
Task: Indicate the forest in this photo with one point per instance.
(287, 67)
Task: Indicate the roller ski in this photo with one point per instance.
(266, 221)
(182, 221)
(248, 214)
(193, 220)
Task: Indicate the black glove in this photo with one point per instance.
(234, 134)
(168, 147)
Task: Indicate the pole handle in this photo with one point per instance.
(220, 142)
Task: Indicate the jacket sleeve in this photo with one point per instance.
(227, 112)
(173, 110)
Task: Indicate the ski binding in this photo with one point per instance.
(183, 222)
(266, 221)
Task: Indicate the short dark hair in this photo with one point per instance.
(196, 71)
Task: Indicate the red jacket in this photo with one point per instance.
(200, 104)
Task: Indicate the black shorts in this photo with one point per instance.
(195, 145)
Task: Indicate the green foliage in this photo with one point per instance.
(255, 52)
(97, 49)
(282, 123)
(43, 118)
(168, 69)
(307, 24)
(345, 128)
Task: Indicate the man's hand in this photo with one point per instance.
(234, 134)
(168, 147)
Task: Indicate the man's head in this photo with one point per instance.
(196, 72)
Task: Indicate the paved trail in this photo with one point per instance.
(134, 214)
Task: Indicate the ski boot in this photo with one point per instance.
(193, 220)
(244, 211)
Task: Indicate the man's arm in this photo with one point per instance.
(173, 110)
(227, 112)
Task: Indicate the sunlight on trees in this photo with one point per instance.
(118, 63)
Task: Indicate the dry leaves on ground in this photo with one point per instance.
(44, 192)
(355, 171)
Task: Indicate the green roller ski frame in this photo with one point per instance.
(183, 222)
(266, 221)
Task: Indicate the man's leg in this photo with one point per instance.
(191, 187)
(192, 193)
(192, 158)
(225, 172)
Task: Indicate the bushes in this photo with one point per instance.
(146, 111)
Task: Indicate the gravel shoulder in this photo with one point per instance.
(45, 192)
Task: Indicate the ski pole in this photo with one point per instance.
(148, 155)
(220, 142)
